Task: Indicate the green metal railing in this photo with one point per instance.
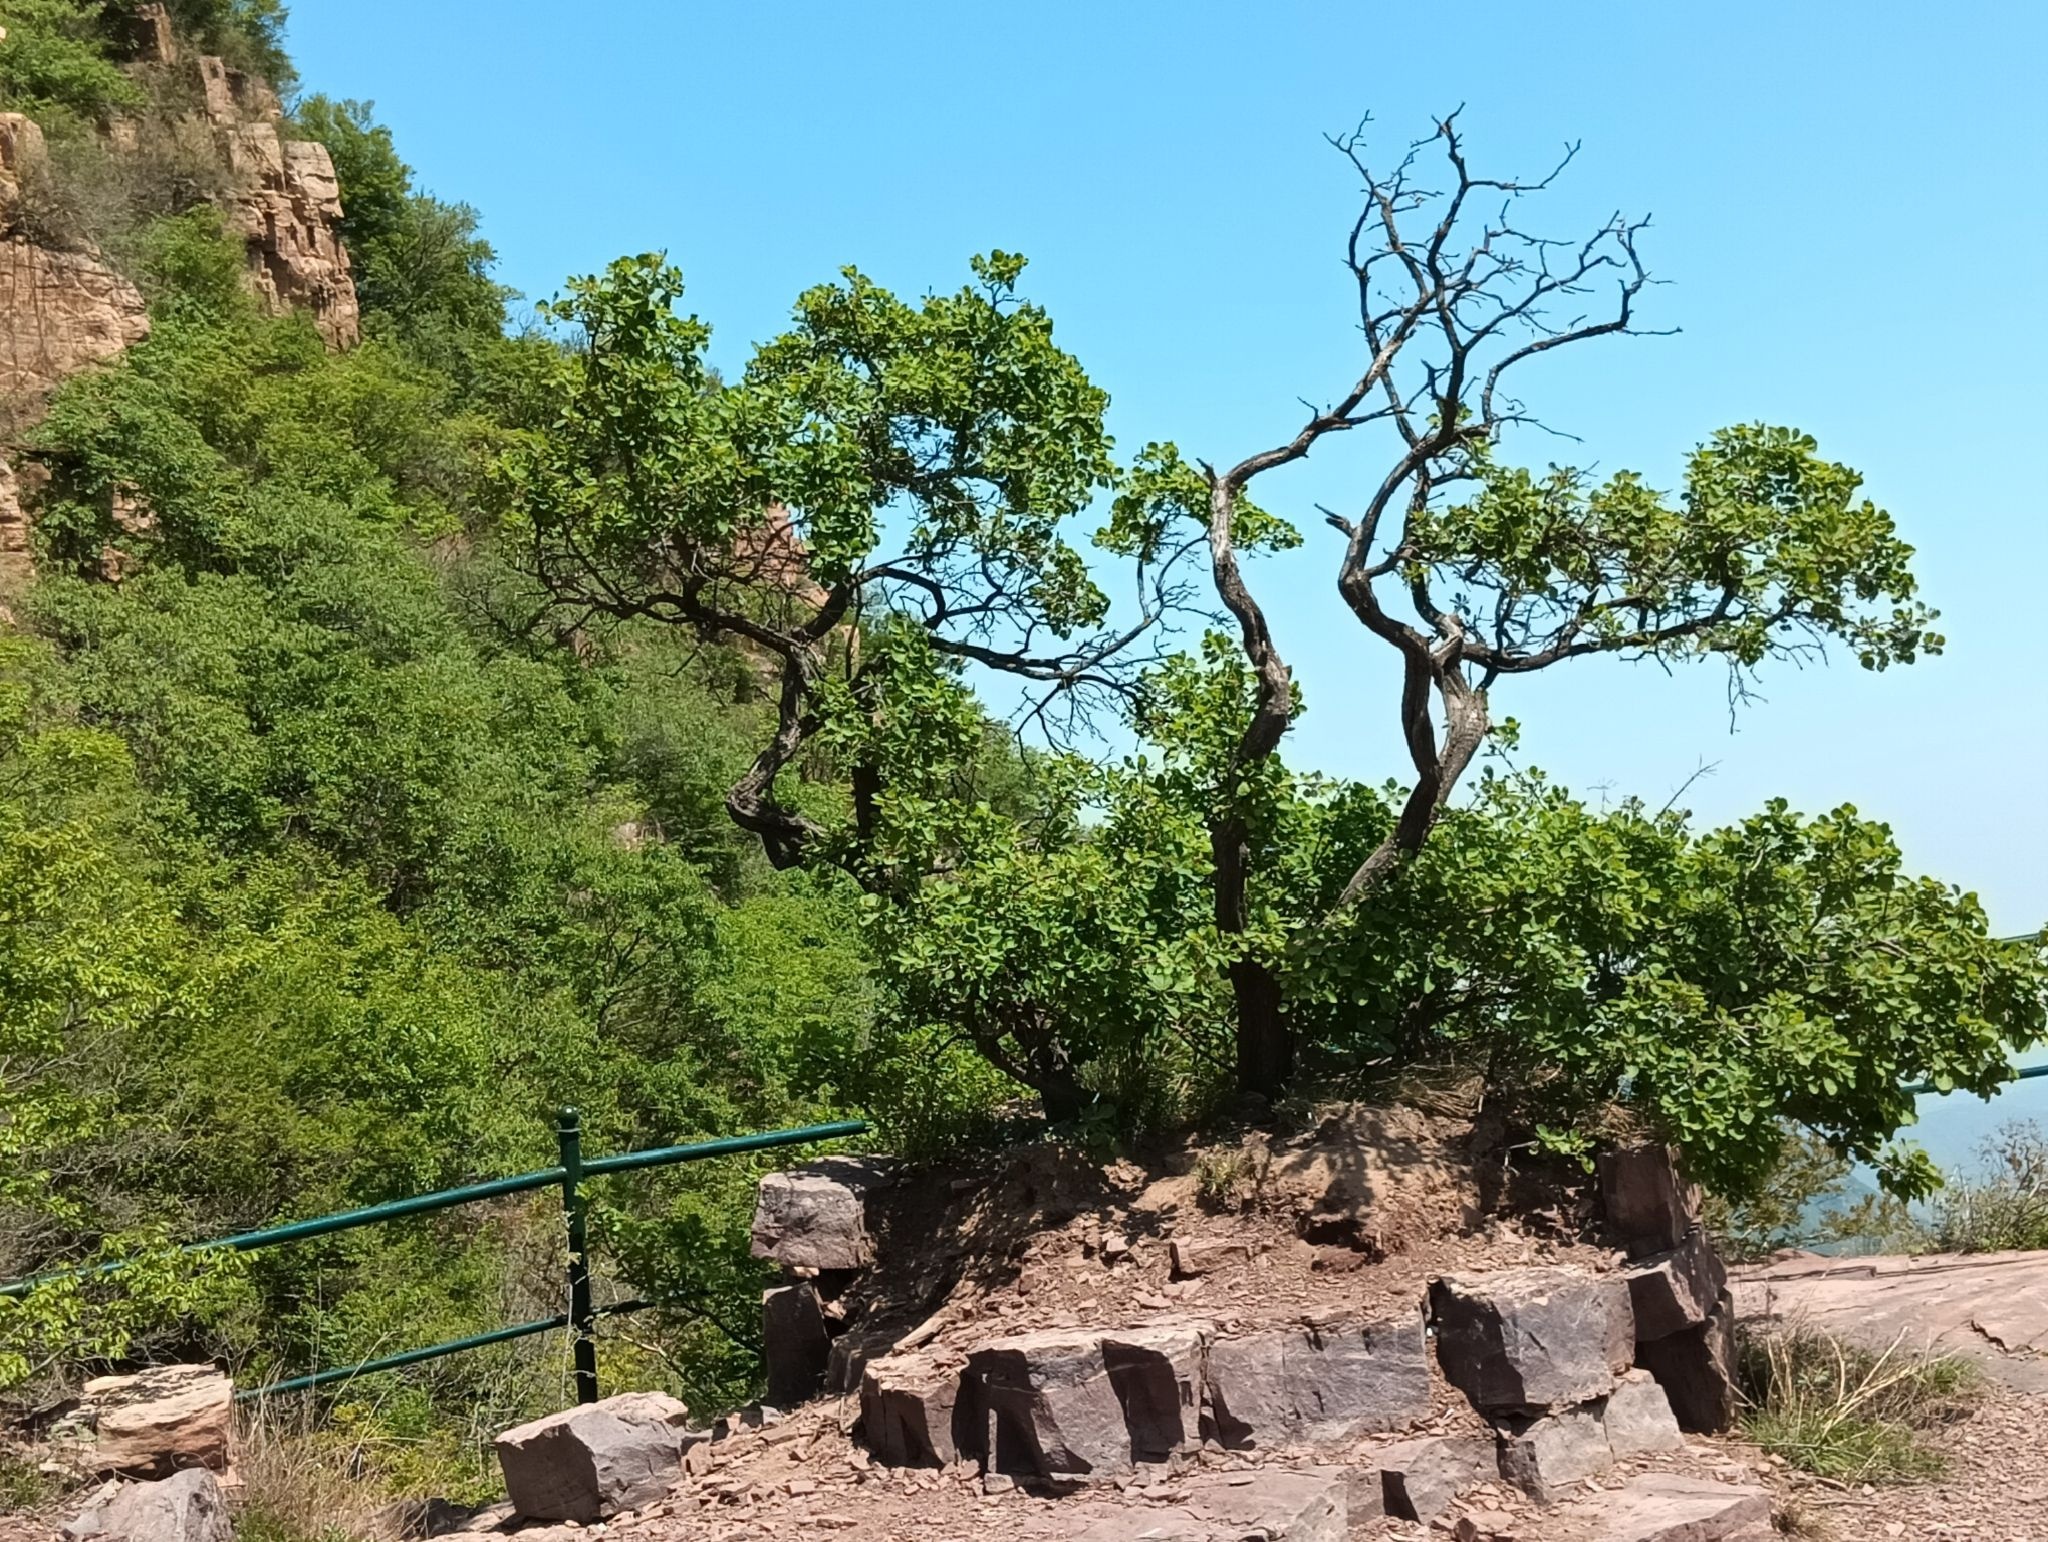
(569, 1173)
(2019, 1075)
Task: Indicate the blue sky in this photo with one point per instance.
(1847, 212)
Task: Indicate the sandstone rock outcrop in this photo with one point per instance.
(287, 205)
(160, 1421)
(60, 311)
(586, 1463)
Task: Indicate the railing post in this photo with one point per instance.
(582, 1321)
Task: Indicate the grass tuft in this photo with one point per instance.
(1840, 1411)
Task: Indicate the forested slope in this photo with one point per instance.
(328, 873)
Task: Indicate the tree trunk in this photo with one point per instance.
(1265, 1042)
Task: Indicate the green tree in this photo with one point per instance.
(880, 499)
(1474, 571)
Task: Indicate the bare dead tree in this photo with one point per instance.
(1450, 300)
(1472, 570)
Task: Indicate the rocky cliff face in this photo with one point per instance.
(287, 204)
(60, 312)
(63, 309)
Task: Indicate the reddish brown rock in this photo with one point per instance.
(1648, 1203)
(1318, 1382)
(1665, 1507)
(1522, 1339)
(594, 1460)
(910, 1408)
(1420, 1478)
(1052, 1411)
(1203, 1255)
(794, 1344)
(1673, 1291)
(1543, 1456)
(815, 1217)
(1696, 1369)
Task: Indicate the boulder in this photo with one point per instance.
(1637, 1417)
(1420, 1478)
(1670, 1292)
(910, 1410)
(158, 1421)
(1649, 1205)
(1666, 1507)
(1526, 1339)
(794, 1344)
(1156, 1373)
(1203, 1255)
(1318, 1382)
(1541, 1456)
(1052, 1411)
(588, 1462)
(1696, 1369)
(815, 1217)
(185, 1507)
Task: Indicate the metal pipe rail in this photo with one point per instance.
(569, 1174)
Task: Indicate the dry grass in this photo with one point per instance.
(298, 1487)
(1840, 1411)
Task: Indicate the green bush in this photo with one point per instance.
(55, 61)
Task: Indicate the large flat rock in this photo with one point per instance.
(1271, 1505)
(1991, 1308)
(1666, 1507)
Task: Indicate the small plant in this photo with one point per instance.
(23, 1485)
(1221, 1178)
(1840, 1411)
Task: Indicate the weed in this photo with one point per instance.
(1220, 1178)
(23, 1485)
(1840, 1411)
